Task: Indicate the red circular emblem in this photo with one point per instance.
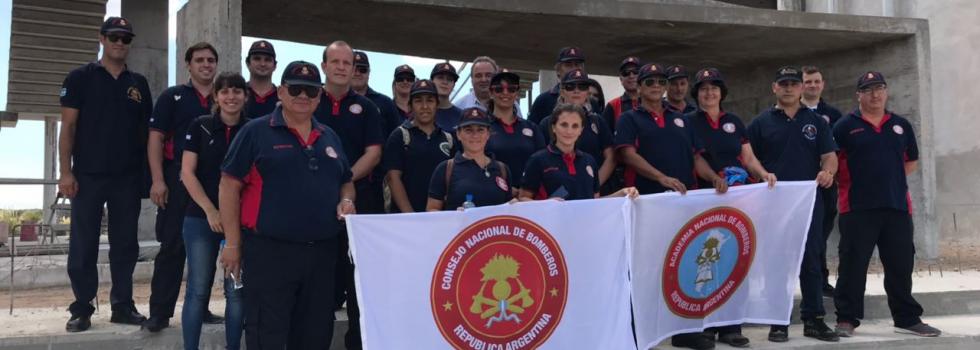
(707, 261)
(501, 283)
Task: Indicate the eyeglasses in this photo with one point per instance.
(873, 89)
(362, 69)
(310, 91)
(629, 72)
(574, 86)
(405, 79)
(650, 82)
(500, 89)
(126, 39)
(314, 163)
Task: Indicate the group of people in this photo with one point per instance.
(259, 177)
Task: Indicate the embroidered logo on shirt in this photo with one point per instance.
(595, 128)
(588, 169)
(64, 92)
(134, 94)
(331, 153)
(729, 128)
(176, 97)
(356, 108)
(679, 122)
(826, 118)
(445, 148)
(502, 184)
(898, 129)
(810, 132)
(528, 132)
(279, 147)
(855, 131)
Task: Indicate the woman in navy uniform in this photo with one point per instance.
(561, 170)
(512, 139)
(728, 152)
(414, 149)
(208, 138)
(596, 138)
(472, 175)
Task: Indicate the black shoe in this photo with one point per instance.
(828, 291)
(695, 341)
(736, 340)
(210, 318)
(155, 324)
(127, 315)
(779, 334)
(816, 328)
(78, 323)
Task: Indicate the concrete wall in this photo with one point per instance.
(218, 22)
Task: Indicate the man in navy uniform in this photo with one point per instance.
(678, 90)
(390, 117)
(261, 63)
(569, 58)
(102, 147)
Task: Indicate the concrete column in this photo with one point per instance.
(218, 22)
(50, 164)
(546, 79)
(821, 6)
(148, 56)
(789, 5)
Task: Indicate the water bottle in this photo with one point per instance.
(236, 280)
(469, 202)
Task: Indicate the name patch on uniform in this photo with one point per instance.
(528, 132)
(330, 152)
(588, 169)
(898, 129)
(278, 147)
(679, 122)
(810, 132)
(729, 128)
(502, 184)
(855, 131)
(356, 108)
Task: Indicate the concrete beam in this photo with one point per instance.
(218, 22)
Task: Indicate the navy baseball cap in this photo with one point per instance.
(473, 116)
(650, 70)
(301, 73)
(424, 86)
(575, 76)
(116, 25)
(571, 53)
(629, 61)
(404, 70)
(505, 74)
(261, 47)
(444, 68)
(709, 75)
(361, 59)
(870, 78)
(676, 71)
(789, 73)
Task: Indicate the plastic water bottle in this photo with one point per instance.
(236, 280)
(469, 202)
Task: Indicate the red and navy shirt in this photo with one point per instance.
(355, 118)
(291, 186)
(546, 102)
(259, 105)
(513, 144)
(447, 118)
(416, 160)
(489, 186)
(596, 137)
(723, 141)
(688, 107)
(176, 108)
(570, 176)
(790, 147)
(665, 141)
(872, 162)
(615, 108)
(110, 136)
(391, 117)
(209, 138)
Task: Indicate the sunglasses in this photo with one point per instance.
(362, 69)
(628, 72)
(576, 86)
(314, 163)
(310, 91)
(500, 89)
(405, 79)
(126, 39)
(650, 82)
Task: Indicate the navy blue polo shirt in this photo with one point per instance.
(513, 144)
(110, 135)
(790, 147)
(176, 108)
(391, 118)
(689, 107)
(546, 102)
(596, 137)
(416, 161)
(490, 186)
(447, 118)
(355, 118)
(259, 105)
(209, 138)
(667, 142)
(722, 141)
(827, 112)
(550, 173)
(872, 162)
(616, 107)
(284, 196)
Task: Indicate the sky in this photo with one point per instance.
(22, 147)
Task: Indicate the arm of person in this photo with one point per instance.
(367, 162)
(154, 154)
(433, 204)
(398, 193)
(645, 169)
(828, 167)
(704, 171)
(346, 205)
(67, 184)
(755, 166)
(911, 167)
(229, 197)
(194, 188)
(608, 165)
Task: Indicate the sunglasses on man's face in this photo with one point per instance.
(651, 82)
(405, 79)
(126, 39)
(576, 86)
(500, 89)
(362, 69)
(309, 91)
(628, 72)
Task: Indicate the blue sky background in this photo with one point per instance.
(22, 147)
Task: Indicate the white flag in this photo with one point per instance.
(546, 274)
(703, 259)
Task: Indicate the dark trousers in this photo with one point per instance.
(168, 266)
(121, 194)
(829, 216)
(811, 274)
(891, 231)
(370, 200)
(288, 293)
